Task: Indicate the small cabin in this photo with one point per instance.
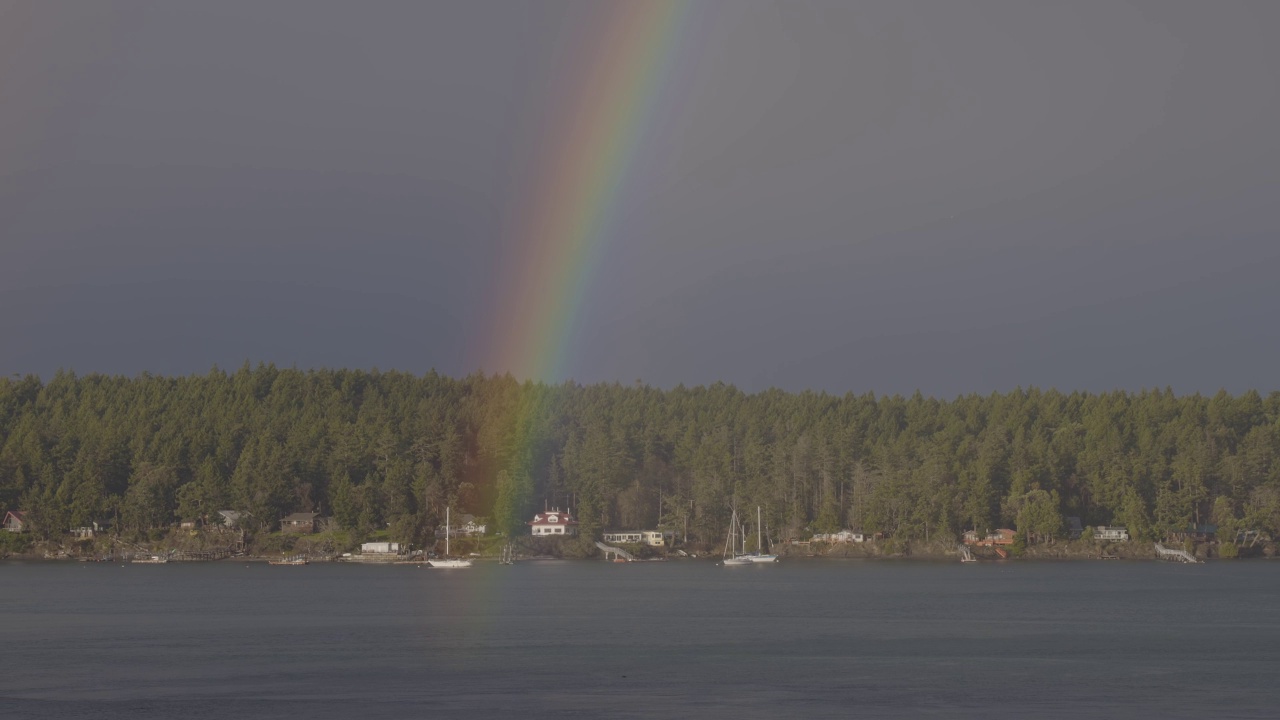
(302, 523)
(229, 518)
(1196, 533)
(15, 521)
(656, 538)
(1074, 528)
(87, 532)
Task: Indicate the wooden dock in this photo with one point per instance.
(202, 556)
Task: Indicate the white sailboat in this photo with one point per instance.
(760, 556)
(446, 561)
(731, 556)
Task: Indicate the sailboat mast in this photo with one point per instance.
(759, 537)
(447, 532)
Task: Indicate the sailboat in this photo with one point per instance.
(446, 561)
(759, 556)
(731, 556)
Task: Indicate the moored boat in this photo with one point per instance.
(760, 556)
(291, 560)
(151, 560)
(446, 561)
(731, 555)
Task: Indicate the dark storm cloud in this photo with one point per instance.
(845, 196)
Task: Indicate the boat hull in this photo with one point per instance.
(762, 558)
(728, 562)
(449, 563)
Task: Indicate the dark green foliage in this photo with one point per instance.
(383, 452)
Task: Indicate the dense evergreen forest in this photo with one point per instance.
(386, 449)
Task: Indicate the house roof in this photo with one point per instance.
(553, 517)
(300, 517)
(19, 515)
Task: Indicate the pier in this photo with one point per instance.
(201, 556)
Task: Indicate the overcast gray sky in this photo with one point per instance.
(951, 196)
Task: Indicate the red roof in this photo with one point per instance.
(553, 517)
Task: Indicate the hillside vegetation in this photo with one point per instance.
(379, 450)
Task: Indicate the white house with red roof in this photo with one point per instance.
(553, 522)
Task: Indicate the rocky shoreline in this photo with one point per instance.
(1060, 550)
(322, 549)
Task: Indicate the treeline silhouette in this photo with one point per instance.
(376, 450)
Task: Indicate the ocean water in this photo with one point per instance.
(815, 639)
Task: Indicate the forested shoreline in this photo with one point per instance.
(390, 450)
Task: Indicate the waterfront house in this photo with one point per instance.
(1074, 528)
(1002, 536)
(657, 538)
(15, 521)
(1118, 533)
(303, 523)
(86, 532)
(380, 548)
(1196, 533)
(230, 518)
(652, 538)
(470, 526)
(844, 536)
(553, 522)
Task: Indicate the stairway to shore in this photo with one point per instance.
(1174, 554)
(609, 549)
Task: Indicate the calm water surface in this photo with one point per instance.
(678, 639)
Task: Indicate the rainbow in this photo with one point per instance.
(592, 157)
